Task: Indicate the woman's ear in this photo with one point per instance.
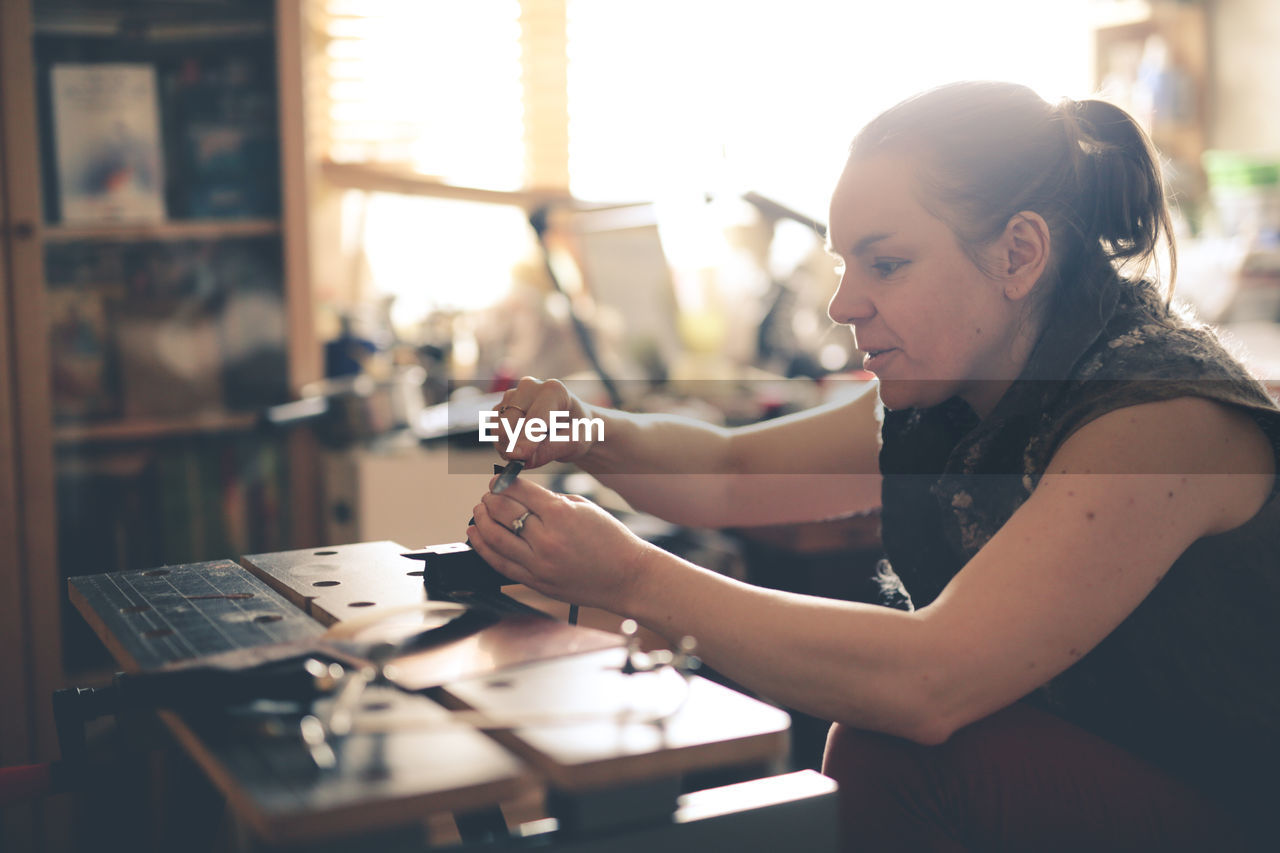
(1024, 253)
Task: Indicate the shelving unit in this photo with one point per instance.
(1167, 96)
(215, 229)
(136, 355)
(138, 429)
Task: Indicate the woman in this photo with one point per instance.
(1078, 493)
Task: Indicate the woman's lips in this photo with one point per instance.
(874, 360)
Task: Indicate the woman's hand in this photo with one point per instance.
(537, 398)
(566, 547)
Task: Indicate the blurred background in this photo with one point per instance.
(264, 261)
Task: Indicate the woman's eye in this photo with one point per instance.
(887, 268)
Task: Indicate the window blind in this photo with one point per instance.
(430, 85)
(518, 101)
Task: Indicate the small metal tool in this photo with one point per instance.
(311, 730)
(684, 661)
(320, 730)
(508, 476)
(337, 722)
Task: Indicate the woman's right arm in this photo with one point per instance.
(821, 463)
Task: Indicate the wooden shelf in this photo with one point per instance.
(1121, 29)
(376, 177)
(146, 429)
(154, 20)
(1112, 14)
(196, 229)
(110, 25)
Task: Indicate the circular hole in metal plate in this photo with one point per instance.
(398, 624)
(156, 633)
(154, 573)
(376, 706)
(498, 683)
(268, 617)
(361, 604)
(326, 583)
(325, 553)
(416, 574)
(137, 608)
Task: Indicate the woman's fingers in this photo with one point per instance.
(498, 530)
(510, 513)
(534, 400)
(527, 400)
(510, 569)
(567, 547)
(493, 542)
(531, 495)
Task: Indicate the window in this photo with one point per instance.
(618, 99)
(433, 85)
(666, 95)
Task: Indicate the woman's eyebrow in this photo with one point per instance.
(859, 247)
(867, 242)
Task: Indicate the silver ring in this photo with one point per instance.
(502, 409)
(518, 524)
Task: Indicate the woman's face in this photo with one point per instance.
(931, 323)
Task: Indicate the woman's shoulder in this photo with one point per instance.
(1151, 353)
(1175, 442)
(1155, 351)
(1146, 337)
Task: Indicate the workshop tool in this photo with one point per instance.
(455, 567)
(355, 654)
(286, 671)
(282, 785)
(364, 580)
(195, 691)
(558, 702)
(507, 476)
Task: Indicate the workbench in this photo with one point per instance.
(503, 703)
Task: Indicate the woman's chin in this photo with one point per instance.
(898, 394)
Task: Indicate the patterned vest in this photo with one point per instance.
(1191, 679)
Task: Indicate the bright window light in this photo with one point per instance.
(674, 95)
(667, 99)
(434, 84)
(439, 255)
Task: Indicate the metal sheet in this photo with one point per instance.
(341, 582)
(161, 616)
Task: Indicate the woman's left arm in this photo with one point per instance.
(1122, 499)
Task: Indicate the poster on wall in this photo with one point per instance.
(107, 138)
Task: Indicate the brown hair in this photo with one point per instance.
(991, 149)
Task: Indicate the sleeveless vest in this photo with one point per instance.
(1191, 679)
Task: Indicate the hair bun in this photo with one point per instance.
(1122, 191)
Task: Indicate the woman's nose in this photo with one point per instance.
(849, 304)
